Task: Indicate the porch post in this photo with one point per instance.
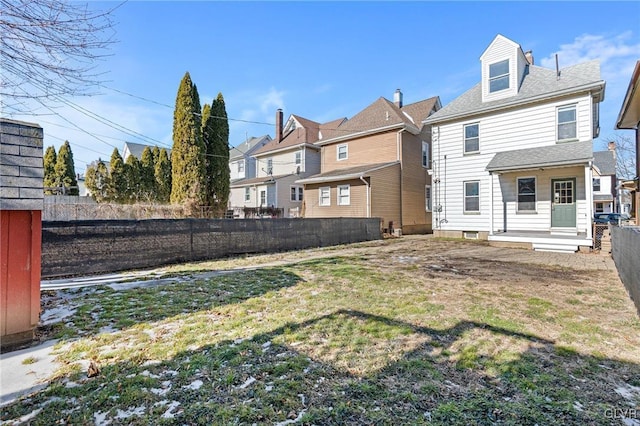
(491, 203)
(588, 187)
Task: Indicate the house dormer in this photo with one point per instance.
(504, 64)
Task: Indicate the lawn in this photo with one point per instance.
(405, 331)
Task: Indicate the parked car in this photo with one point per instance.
(610, 218)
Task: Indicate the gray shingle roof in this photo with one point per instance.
(239, 151)
(548, 156)
(537, 83)
(349, 173)
(605, 162)
(136, 149)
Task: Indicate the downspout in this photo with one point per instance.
(368, 189)
(491, 176)
(588, 184)
(399, 158)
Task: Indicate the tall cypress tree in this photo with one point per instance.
(97, 181)
(133, 173)
(65, 170)
(147, 176)
(118, 181)
(218, 156)
(188, 152)
(207, 139)
(49, 161)
(163, 176)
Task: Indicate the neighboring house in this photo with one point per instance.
(376, 165)
(135, 149)
(291, 155)
(513, 155)
(604, 181)
(242, 166)
(629, 118)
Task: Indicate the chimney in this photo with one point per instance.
(397, 98)
(279, 125)
(529, 55)
(612, 147)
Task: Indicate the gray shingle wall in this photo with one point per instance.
(21, 168)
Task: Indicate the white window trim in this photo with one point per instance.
(247, 194)
(464, 138)
(328, 198)
(346, 152)
(428, 151)
(241, 166)
(575, 123)
(296, 196)
(348, 197)
(535, 194)
(428, 200)
(496, 77)
(298, 157)
(599, 184)
(464, 198)
(270, 166)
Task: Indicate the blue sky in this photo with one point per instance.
(325, 60)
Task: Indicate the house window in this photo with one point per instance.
(247, 194)
(342, 152)
(599, 207)
(300, 193)
(426, 162)
(567, 123)
(596, 184)
(263, 197)
(527, 194)
(299, 157)
(270, 166)
(241, 168)
(472, 197)
(499, 76)
(427, 198)
(344, 195)
(325, 196)
(471, 138)
(296, 193)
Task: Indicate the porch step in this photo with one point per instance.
(556, 248)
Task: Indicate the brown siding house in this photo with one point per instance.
(379, 161)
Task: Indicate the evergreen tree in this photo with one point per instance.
(163, 177)
(147, 176)
(118, 181)
(65, 170)
(49, 161)
(156, 154)
(218, 156)
(133, 173)
(97, 181)
(188, 152)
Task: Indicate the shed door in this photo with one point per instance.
(563, 203)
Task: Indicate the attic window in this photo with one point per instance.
(499, 76)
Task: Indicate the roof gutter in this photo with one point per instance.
(287, 148)
(359, 175)
(467, 114)
(538, 166)
(631, 93)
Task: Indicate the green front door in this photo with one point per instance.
(563, 203)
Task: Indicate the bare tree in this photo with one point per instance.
(49, 49)
(625, 155)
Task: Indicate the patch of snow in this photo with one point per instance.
(195, 385)
(172, 373)
(169, 414)
(100, 419)
(146, 373)
(69, 385)
(151, 362)
(630, 422)
(55, 315)
(134, 411)
(577, 406)
(247, 383)
(268, 388)
(629, 392)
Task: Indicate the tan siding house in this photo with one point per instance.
(381, 156)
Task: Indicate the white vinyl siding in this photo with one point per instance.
(567, 123)
(526, 187)
(344, 195)
(471, 138)
(325, 196)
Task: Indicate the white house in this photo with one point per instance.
(242, 167)
(604, 181)
(512, 156)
